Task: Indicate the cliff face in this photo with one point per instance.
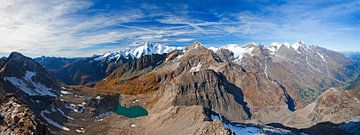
(212, 91)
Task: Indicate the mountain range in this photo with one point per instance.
(251, 89)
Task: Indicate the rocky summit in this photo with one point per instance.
(156, 89)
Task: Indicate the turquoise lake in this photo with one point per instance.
(131, 112)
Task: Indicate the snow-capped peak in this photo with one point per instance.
(146, 49)
(114, 55)
(149, 49)
(298, 44)
(239, 51)
(274, 47)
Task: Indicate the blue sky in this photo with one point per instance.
(81, 28)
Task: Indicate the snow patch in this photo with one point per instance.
(238, 130)
(27, 85)
(321, 56)
(247, 129)
(180, 55)
(239, 51)
(101, 116)
(110, 56)
(214, 49)
(197, 68)
(81, 130)
(266, 71)
(79, 109)
(65, 92)
(50, 121)
(62, 113)
(274, 47)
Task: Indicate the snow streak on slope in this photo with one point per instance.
(251, 129)
(27, 85)
(197, 68)
(50, 121)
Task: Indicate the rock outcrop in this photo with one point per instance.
(16, 118)
(334, 105)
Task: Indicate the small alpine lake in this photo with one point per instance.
(131, 112)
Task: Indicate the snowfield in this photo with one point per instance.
(239, 51)
(147, 49)
(27, 85)
(242, 129)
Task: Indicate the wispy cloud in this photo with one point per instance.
(81, 28)
(38, 27)
(322, 23)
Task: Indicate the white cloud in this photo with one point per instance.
(46, 27)
(315, 22)
(184, 40)
(71, 28)
(67, 28)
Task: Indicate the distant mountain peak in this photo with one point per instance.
(28, 76)
(196, 45)
(300, 42)
(275, 46)
(146, 49)
(16, 56)
(240, 51)
(150, 48)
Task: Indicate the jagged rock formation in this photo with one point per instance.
(17, 118)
